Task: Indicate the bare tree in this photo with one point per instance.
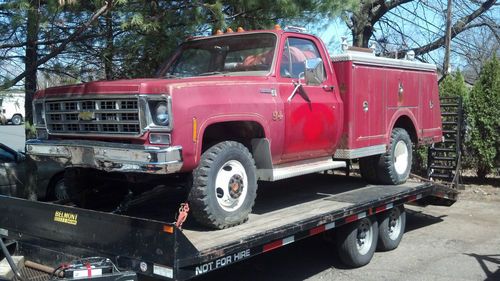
(375, 19)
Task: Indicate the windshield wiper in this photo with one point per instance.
(169, 75)
(211, 73)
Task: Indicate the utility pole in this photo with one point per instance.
(447, 41)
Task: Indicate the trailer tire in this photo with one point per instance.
(224, 186)
(17, 119)
(391, 226)
(368, 169)
(395, 165)
(357, 241)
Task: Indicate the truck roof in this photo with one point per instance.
(371, 59)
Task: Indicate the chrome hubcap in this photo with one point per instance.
(401, 157)
(231, 186)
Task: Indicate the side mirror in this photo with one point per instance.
(315, 71)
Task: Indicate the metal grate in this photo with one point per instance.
(99, 116)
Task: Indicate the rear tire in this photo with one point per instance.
(17, 119)
(394, 166)
(224, 186)
(391, 224)
(357, 241)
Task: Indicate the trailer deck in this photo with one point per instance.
(147, 241)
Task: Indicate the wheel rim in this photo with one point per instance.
(400, 157)
(16, 120)
(394, 224)
(231, 186)
(365, 237)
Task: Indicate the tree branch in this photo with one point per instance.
(460, 25)
(56, 51)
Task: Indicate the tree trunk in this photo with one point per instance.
(30, 85)
(30, 80)
(361, 37)
(108, 52)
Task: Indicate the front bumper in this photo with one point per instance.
(110, 157)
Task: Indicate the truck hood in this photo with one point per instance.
(143, 86)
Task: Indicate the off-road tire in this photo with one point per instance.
(17, 119)
(347, 238)
(202, 197)
(391, 225)
(386, 170)
(368, 168)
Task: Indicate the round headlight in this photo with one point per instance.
(161, 112)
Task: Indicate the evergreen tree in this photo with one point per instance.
(483, 118)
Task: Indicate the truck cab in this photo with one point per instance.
(228, 110)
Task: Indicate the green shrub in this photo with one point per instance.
(483, 109)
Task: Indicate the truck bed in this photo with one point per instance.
(283, 204)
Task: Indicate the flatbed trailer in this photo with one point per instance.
(147, 243)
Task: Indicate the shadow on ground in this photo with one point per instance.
(483, 259)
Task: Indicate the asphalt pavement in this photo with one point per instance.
(12, 136)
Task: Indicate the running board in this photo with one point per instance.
(299, 168)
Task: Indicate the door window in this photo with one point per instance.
(295, 53)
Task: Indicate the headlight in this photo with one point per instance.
(161, 114)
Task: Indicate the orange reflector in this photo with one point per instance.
(195, 129)
(240, 29)
(219, 32)
(229, 30)
(277, 27)
(168, 229)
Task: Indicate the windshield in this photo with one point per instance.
(224, 55)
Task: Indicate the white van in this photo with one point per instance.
(12, 108)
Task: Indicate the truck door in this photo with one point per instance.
(311, 117)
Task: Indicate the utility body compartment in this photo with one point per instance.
(379, 92)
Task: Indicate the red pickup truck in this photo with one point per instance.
(228, 110)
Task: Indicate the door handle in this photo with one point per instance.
(327, 88)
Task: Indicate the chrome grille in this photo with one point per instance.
(99, 116)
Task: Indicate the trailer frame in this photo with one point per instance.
(53, 234)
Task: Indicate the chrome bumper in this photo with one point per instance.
(110, 157)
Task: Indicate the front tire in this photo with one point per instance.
(357, 242)
(395, 165)
(391, 226)
(224, 186)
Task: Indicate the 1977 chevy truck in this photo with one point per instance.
(230, 109)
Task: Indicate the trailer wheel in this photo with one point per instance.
(357, 241)
(224, 186)
(17, 119)
(391, 225)
(368, 169)
(395, 165)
